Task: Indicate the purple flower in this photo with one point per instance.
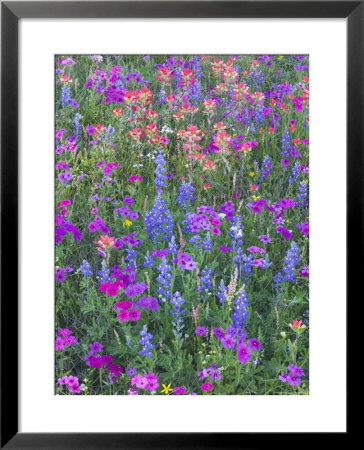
(228, 341)
(60, 276)
(283, 377)
(133, 215)
(128, 200)
(244, 353)
(188, 265)
(264, 238)
(96, 347)
(148, 302)
(293, 380)
(135, 289)
(224, 249)
(207, 387)
(201, 331)
(214, 372)
(179, 390)
(254, 344)
(131, 371)
(204, 373)
(90, 129)
(296, 370)
(303, 227)
(219, 333)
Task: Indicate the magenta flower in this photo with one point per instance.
(179, 390)
(152, 385)
(254, 249)
(244, 353)
(123, 305)
(283, 377)
(96, 347)
(201, 331)
(135, 380)
(287, 234)
(62, 381)
(254, 344)
(148, 302)
(219, 333)
(264, 238)
(91, 130)
(303, 227)
(72, 380)
(188, 265)
(135, 178)
(259, 262)
(60, 275)
(133, 215)
(66, 61)
(134, 315)
(69, 340)
(123, 315)
(128, 200)
(135, 289)
(64, 332)
(204, 373)
(65, 202)
(228, 341)
(296, 370)
(59, 343)
(75, 388)
(293, 380)
(207, 387)
(93, 226)
(141, 383)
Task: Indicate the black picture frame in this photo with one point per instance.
(11, 12)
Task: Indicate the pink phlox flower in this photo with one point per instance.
(179, 390)
(207, 387)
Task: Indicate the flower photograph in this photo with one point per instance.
(181, 224)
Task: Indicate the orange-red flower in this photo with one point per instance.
(105, 242)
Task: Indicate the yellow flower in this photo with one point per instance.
(234, 135)
(287, 220)
(256, 197)
(251, 174)
(127, 223)
(280, 56)
(166, 389)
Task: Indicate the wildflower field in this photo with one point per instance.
(181, 239)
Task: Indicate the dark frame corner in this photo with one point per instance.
(11, 12)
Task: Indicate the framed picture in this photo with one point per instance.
(183, 277)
